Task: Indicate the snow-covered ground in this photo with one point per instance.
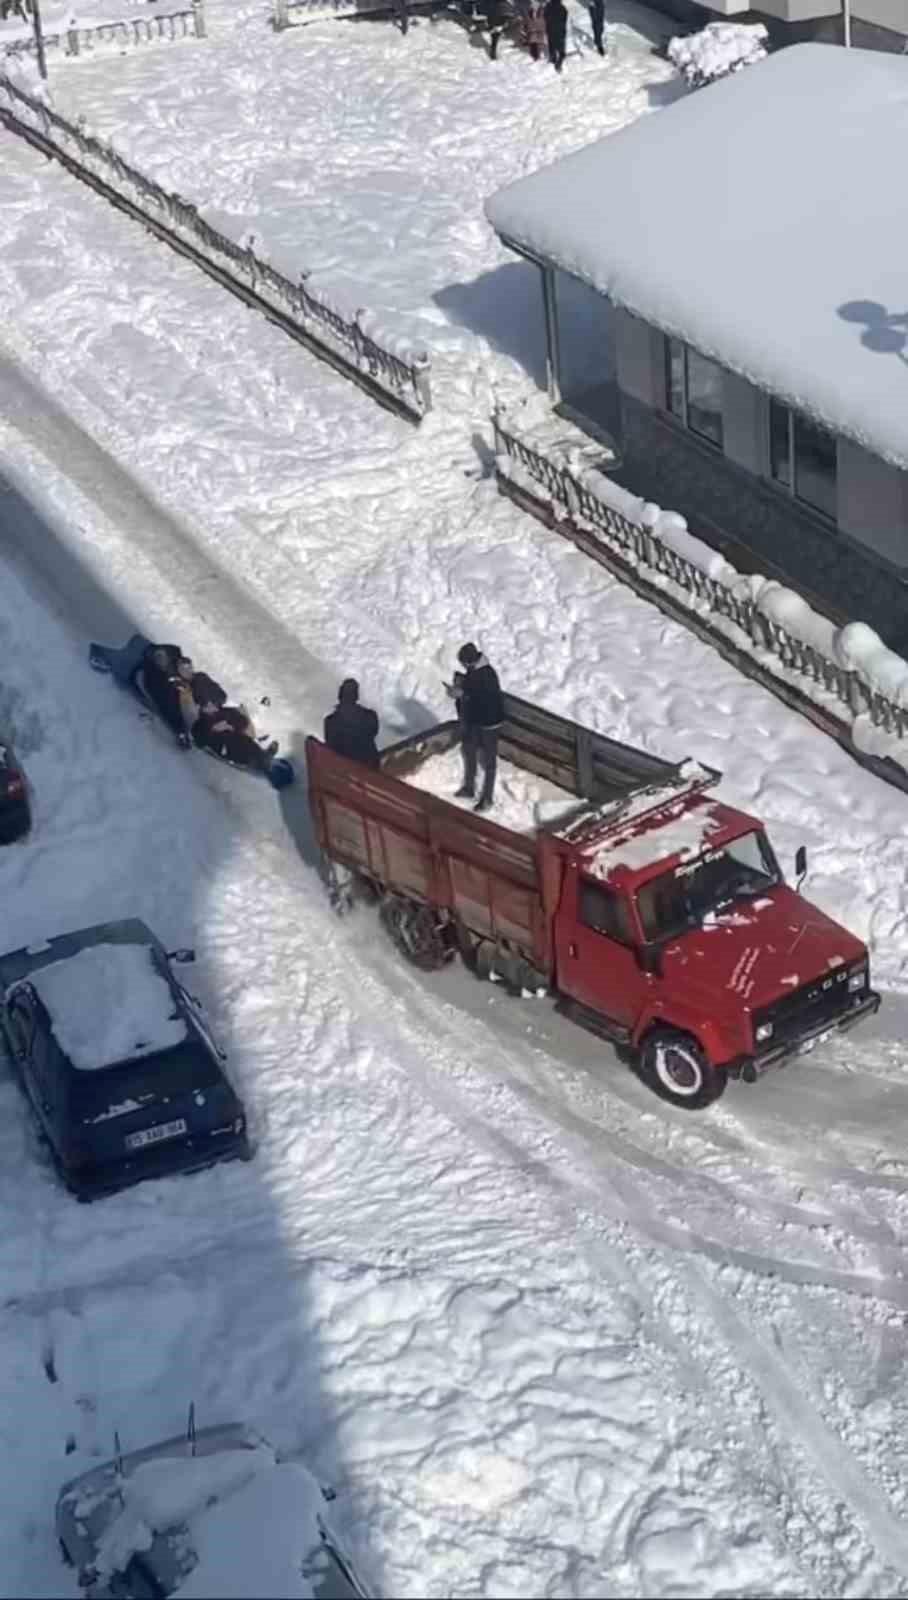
(545, 1334)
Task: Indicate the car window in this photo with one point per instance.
(167, 1073)
(41, 1052)
(605, 912)
(697, 889)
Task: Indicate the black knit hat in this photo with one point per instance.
(348, 693)
(468, 655)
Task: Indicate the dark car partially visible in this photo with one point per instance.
(150, 1113)
(15, 812)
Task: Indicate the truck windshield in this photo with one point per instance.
(683, 897)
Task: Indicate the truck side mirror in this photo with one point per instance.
(800, 865)
(649, 959)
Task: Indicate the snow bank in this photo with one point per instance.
(719, 48)
(108, 1004)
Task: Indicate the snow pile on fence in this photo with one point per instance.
(847, 671)
(717, 50)
(351, 339)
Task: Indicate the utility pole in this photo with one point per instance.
(39, 38)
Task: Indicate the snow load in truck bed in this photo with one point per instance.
(522, 800)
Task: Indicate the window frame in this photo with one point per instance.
(682, 416)
(790, 489)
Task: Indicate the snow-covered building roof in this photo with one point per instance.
(109, 1004)
(763, 220)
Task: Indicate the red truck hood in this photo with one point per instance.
(762, 949)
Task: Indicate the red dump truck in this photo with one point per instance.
(656, 915)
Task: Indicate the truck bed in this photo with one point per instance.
(523, 800)
(416, 843)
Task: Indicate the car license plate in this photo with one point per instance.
(164, 1130)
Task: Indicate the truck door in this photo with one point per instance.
(597, 962)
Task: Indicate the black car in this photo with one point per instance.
(116, 1058)
(15, 814)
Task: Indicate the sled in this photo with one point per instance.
(125, 667)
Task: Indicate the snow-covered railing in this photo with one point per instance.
(152, 23)
(302, 11)
(350, 338)
(846, 671)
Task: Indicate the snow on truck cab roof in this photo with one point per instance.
(109, 1003)
(655, 827)
(720, 221)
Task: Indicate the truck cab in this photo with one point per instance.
(677, 936)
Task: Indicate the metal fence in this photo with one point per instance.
(187, 23)
(306, 308)
(716, 608)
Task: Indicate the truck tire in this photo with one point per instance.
(415, 931)
(673, 1065)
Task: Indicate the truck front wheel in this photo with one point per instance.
(674, 1066)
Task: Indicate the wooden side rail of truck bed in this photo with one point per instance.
(490, 879)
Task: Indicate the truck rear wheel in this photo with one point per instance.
(414, 929)
(675, 1068)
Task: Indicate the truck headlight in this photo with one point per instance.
(763, 1032)
(857, 980)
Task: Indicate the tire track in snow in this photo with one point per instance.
(795, 1415)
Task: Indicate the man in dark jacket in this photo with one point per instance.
(351, 729)
(481, 710)
(556, 32)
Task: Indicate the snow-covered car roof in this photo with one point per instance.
(109, 1003)
(230, 1520)
(758, 220)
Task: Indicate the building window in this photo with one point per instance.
(802, 458)
(693, 391)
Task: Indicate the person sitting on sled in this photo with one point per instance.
(164, 685)
(229, 732)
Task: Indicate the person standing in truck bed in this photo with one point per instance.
(481, 709)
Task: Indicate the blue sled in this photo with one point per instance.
(124, 666)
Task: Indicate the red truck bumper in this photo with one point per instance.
(750, 1068)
